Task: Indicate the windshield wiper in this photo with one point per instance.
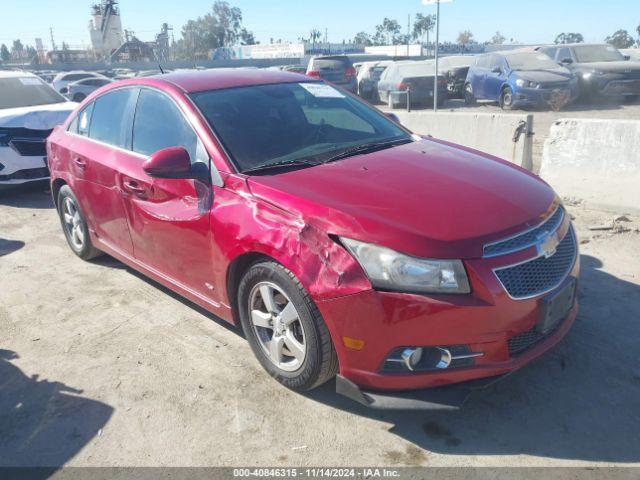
(279, 165)
(367, 148)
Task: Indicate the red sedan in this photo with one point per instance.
(340, 242)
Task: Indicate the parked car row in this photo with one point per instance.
(541, 77)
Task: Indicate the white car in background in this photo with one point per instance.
(78, 91)
(29, 110)
(63, 79)
(632, 53)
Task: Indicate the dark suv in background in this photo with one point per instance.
(602, 70)
(336, 69)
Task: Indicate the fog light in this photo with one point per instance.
(445, 358)
(425, 359)
(412, 357)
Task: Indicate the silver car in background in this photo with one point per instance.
(78, 91)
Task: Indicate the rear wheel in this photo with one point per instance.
(284, 327)
(506, 99)
(469, 97)
(74, 225)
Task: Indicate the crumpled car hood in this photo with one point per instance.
(427, 198)
(39, 117)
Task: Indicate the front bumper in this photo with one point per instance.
(488, 321)
(538, 97)
(16, 169)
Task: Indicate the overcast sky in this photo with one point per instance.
(527, 21)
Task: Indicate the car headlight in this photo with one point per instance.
(526, 83)
(391, 270)
(588, 75)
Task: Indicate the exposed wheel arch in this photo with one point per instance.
(55, 189)
(236, 270)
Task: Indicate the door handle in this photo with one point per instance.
(80, 163)
(133, 187)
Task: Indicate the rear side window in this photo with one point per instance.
(112, 117)
(84, 120)
(159, 124)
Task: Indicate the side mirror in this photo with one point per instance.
(566, 61)
(497, 70)
(172, 162)
(393, 117)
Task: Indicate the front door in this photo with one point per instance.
(169, 219)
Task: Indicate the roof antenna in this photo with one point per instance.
(160, 67)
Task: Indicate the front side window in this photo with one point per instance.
(292, 122)
(26, 91)
(159, 124)
(112, 117)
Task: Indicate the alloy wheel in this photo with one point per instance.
(277, 326)
(73, 223)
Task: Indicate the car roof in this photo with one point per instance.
(192, 81)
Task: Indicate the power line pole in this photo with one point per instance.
(408, 31)
(435, 78)
(53, 42)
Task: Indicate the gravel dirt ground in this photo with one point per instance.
(101, 367)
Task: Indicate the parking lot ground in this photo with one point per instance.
(100, 367)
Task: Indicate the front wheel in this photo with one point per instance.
(284, 327)
(74, 225)
(506, 99)
(469, 97)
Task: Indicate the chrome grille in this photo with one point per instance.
(526, 239)
(541, 275)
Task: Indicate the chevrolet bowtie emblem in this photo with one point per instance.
(547, 244)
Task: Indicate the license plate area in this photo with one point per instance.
(556, 306)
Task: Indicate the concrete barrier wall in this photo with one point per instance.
(595, 160)
(491, 133)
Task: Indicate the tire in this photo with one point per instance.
(302, 371)
(506, 99)
(79, 97)
(469, 97)
(72, 218)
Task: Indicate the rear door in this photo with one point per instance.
(168, 218)
(96, 153)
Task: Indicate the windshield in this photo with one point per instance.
(598, 53)
(292, 122)
(531, 61)
(26, 92)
